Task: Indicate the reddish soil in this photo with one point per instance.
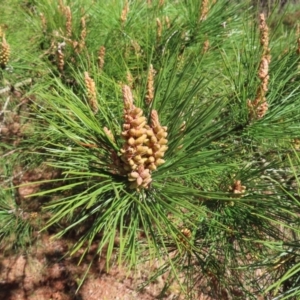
(41, 273)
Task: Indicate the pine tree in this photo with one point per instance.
(172, 125)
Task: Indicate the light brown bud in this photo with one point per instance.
(140, 140)
(203, 10)
(124, 134)
(4, 52)
(131, 178)
(144, 140)
(109, 134)
(145, 173)
(134, 175)
(131, 162)
(153, 139)
(83, 34)
(149, 132)
(159, 154)
(159, 28)
(143, 160)
(125, 12)
(156, 147)
(142, 124)
(137, 159)
(163, 148)
(131, 141)
(160, 162)
(137, 112)
(127, 97)
(91, 92)
(149, 151)
(168, 22)
(161, 134)
(139, 121)
(136, 132)
(68, 15)
(154, 119)
(141, 149)
(151, 159)
(163, 141)
(150, 85)
(101, 55)
(147, 181)
(152, 167)
(139, 180)
(129, 79)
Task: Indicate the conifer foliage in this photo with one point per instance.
(171, 127)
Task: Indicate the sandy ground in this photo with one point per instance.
(42, 274)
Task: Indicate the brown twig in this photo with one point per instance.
(9, 153)
(4, 106)
(17, 85)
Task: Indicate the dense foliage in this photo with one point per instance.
(161, 129)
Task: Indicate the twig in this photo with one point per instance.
(9, 152)
(5, 90)
(4, 106)
(24, 82)
(17, 85)
(13, 177)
